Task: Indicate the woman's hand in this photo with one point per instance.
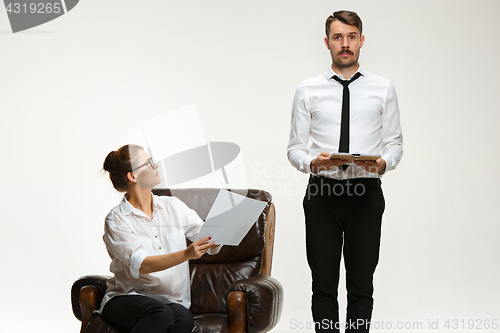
(198, 248)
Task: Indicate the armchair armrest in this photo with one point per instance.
(237, 311)
(86, 296)
(264, 298)
(90, 299)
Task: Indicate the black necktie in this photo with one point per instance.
(344, 127)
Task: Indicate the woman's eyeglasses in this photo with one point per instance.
(149, 161)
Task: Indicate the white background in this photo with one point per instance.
(72, 90)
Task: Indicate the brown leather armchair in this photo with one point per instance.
(230, 292)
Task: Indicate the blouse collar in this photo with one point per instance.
(126, 207)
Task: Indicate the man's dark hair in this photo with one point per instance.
(346, 17)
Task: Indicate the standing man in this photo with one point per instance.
(345, 109)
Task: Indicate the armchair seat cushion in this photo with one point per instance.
(97, 324)
(210, 322)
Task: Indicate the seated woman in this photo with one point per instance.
(146, 239)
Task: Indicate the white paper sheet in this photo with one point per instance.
(230, 218)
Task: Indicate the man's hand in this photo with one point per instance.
(372, 166)
(324, 162)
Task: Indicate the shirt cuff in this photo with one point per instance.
(215, 250)
(135, 262)
(388, 163)
(307, 167)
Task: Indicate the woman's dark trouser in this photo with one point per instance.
(142, 314)
(343, 215)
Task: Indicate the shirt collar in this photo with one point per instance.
(126, 207)
(331, 73)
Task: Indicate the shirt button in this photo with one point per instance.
(159, 248)
(156, 236)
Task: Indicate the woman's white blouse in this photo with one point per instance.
(130, 236)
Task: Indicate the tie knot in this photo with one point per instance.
(345, 83)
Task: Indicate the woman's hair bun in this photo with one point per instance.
(118, 164)
(109, 163)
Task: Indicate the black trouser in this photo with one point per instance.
(343, 214)
(142, 314)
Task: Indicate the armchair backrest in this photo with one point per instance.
(211, 276)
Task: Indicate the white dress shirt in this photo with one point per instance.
(374, 122)
(130, 236)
